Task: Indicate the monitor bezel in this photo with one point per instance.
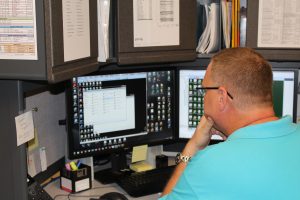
(129, 146)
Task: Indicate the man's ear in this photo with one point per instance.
(222, 98)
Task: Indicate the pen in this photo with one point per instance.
(78, 164)
(67, 165)
(73, 166)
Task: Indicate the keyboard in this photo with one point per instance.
(36, 192)
(148, 182)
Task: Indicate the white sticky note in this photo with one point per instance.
(25, 127)
(43, 158)
(31, 165)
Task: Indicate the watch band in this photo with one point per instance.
(182, 158)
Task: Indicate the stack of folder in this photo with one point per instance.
(235, 28)
(231, 22)
(226, 12)
(209, 41)
(103, 29)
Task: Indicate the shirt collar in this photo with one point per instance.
(277, 128)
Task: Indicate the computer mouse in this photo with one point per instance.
(113, 196)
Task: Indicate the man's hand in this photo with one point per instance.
(199, 141)
(202, 133)
(201, 136)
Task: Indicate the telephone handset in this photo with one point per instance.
(35, 190)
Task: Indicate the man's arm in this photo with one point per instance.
(199, 141)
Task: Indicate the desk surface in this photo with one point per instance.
(97, 190)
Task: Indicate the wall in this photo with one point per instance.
(51, 136)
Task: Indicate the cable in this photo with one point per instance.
(60, 195)
(101, 163)
(85, 196)
(75, 196)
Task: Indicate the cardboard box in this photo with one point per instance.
(76, 181)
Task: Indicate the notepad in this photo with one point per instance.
(138, 159)
(141, 166)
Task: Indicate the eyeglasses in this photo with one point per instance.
(202, 90)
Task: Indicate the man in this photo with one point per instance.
(260, 158)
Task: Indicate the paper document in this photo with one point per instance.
(76, 29)
(209, 41)
(43, 158)
(24, 127)
(155, 23)
(18, 30)
(31, 165)
(278, 24)
(103, 29)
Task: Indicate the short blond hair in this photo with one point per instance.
(245, 74)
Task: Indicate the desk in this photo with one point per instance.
(98, 189)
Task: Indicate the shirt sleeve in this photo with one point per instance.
(163, 197)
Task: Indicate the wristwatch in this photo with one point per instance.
(182, 158)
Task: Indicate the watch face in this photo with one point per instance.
(177, 158)
(181, 158)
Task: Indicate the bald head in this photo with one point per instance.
(245, 74)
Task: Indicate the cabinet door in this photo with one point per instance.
(71, 38)
(22, 40)
(155, 31)
(54, 57)
(270, 30)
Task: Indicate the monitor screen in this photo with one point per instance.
(191, 102)
(285, 92)
(113, 112)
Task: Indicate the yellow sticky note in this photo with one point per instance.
(34, 143)
(141, 166)
(139, 153)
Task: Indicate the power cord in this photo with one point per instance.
(84, 196)
(99, 163)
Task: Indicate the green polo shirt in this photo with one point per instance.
(260, 162)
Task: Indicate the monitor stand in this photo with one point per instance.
(119, 168)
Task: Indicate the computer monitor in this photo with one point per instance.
(191, 106)
(114, 111)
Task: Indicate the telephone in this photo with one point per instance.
(35, 191)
